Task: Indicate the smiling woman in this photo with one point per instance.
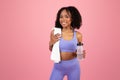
(65, 19)
(68, 19)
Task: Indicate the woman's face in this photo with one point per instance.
(65, 19)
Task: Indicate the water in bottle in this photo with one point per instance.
(80, 51)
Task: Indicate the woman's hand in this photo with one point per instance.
(53, 39)
(56, 37)
(84, 53)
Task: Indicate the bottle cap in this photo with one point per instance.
(79, 44)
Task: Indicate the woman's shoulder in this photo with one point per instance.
(79, 36)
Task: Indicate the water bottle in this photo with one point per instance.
(80, 51)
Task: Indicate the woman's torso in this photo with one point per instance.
(68, 45)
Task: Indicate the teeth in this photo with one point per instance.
(63, 23)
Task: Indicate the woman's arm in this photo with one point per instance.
(79, 38)
(53, 39)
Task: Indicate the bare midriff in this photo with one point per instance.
(67, 55)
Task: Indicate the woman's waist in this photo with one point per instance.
(67, 55)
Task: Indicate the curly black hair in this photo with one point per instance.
(75, 15)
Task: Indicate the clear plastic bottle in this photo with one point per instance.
(80, 51)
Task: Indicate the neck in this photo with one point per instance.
(67, 29)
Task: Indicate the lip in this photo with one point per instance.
(64, 23)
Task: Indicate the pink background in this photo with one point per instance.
(24, 35)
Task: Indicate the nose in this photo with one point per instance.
(63, 19)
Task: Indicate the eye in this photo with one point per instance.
(61, 16)
(67, 16)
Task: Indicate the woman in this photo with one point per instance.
(68, 19)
